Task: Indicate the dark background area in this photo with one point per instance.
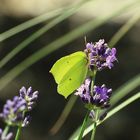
(124, 125)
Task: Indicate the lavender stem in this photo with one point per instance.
(18, 133)
(83, 126)
(95, 124)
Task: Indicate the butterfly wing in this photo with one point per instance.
(69, 72)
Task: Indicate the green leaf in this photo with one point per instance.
(70, 72)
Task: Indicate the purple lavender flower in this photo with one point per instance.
(13, 111)
(100, 55)
(7, 137)
(99, 98)
(84, 91)
(29, 96)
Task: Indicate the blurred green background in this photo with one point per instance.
(95, 19)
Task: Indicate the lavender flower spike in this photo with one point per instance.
(7, 137)
(84, 91)
(101, 96)
(100, 55)
(13, 111)
(29, 96)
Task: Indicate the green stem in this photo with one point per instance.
(18, 133)
(83, 126)
(96, 111)
(93, 80)
(5, 131)
(93, 131)
(95, 124)
(19, 127)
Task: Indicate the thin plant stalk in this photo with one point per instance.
(93, 80)
(83, 126)
(96, 111)
(18, 133)
(95, 124)
(93, 131)
(19, 129)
